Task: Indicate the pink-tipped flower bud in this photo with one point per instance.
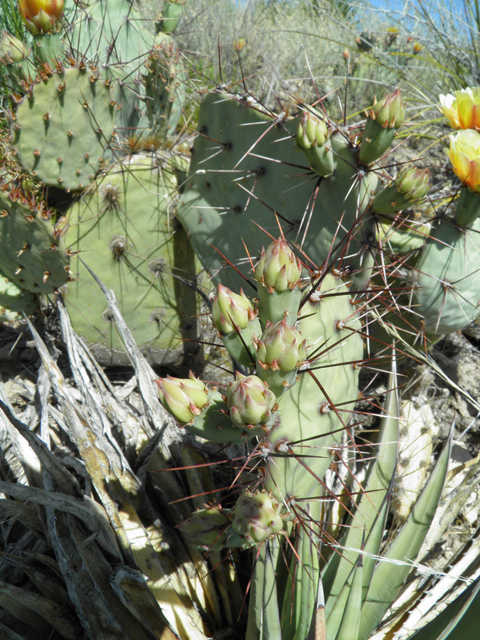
(231, 311)
(413, 183)
(207, 529)
(183, 398)
(249, 401)
(41, 16)
(389, 112)
(280, 347)
(256, 517)
(278, 269)
(311, 132)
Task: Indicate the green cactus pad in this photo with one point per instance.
(238, 180)
(63, 127)
(14, 301)
(32, 255)
(330, 329)
(126, 233)
(448, 294)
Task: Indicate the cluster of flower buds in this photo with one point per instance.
(312, 138)
(41, 16)
(183, 398)
(256, 517)
(250, 402)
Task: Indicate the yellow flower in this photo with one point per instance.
(464, 154)
(463, 108)
(41, 16)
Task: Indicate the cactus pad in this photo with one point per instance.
(448, 293)
(125, 233)
(32, 254)
(14, 301)
(63, 127)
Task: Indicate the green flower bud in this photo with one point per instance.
(413, 183)
(280, 347)
(389, 112)
(278, 269)
(312, 131)
(183, 398)
(249, 401)
(231, 311)
(312, 138)
(256, 517)
(11, 49)
(207, 529)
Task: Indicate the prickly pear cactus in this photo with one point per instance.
(125, 231)
(289, 408)
(63, 126)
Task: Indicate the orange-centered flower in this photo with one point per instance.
(41, 16)
(464, 153)
(463, 108)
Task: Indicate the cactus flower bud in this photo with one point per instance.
(41, 16)
(11, 49)
(172, 12)
(256, 517)
(231, 311)
(311, 131)
(384, 118)
(183, 398)
(462, 109)
(278, 269)
(207, 529)
(280, 347)
(249, 401)
(464, 154)
(411, 185)
(312, 138)
(389, 112)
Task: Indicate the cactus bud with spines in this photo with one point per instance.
(41, 16)
(207, 529)
(234, 318)
(250, 402)
(280, 351)
(312, 138)
(231, 311)
(384, 118)
(256, 517)
(410, 186)
(278, 273)
(183, 398)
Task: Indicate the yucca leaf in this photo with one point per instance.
(388, 577)
(372, 546)
(302, 584)
(351, 616)
(263, 610)
(375, 488)
(458, 621)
